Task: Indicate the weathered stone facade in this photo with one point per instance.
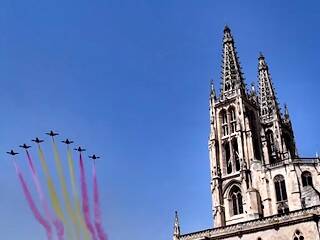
(261, 188)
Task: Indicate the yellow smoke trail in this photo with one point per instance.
(80, 220)
(65, 193)
(52, 192)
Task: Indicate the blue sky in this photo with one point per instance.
(129, 80)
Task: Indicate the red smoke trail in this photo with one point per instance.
(97, 211)
(85, 200)
(56, 222)
(31, 203)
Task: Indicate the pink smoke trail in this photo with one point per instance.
(97, 210)
(31, 203)
(85, 200)
(56, 222)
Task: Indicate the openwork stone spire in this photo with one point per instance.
(268, 102)
(176, 228)
(232, 79)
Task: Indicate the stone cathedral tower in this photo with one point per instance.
(261, 188)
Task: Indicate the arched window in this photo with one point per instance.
(281, 194)
(280, 187)
(298, 235)
(224, 123)
(233, 121)
(236, 200)
(306, 179)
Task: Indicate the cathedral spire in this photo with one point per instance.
(268, 102)
(176, 229)
(232, 78)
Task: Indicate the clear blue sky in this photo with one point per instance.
(129, 80)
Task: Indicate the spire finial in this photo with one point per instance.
(262, 63)
(211, 85)
(176, 229)
(286, 112)
(227, 36)
(261, 55)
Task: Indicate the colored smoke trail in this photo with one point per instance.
(63, 186)
(53, 196)
(85, 200)
(56, 222)
(80, 220)
(97, 209)
(31, 203)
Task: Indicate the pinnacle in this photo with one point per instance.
(227, 36)
(286, 111)
(212, 89)
(176, 231)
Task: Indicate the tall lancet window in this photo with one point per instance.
(233, 121)
(253, 126)
(236, 200)
(227, 156)
(281, 194)
(270, 145)
(224, 123)
(236, 154)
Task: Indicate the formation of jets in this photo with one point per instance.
(52, 134)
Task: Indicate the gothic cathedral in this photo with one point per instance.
(261, 188)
